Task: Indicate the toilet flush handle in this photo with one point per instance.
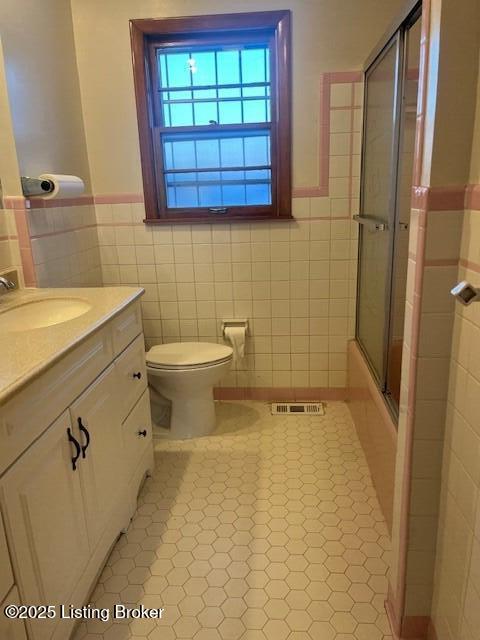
(137, 375)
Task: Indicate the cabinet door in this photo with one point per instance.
(6, 574)
(11, 629)
(45, 522)
(97, 425)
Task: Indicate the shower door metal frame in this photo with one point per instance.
(396, 37)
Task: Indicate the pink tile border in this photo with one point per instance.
(326, 80)
(412, 627)
(20, 202)
(340, 77)
(40, 203)
(281, 394)
(392, 614)
(118, 198)
(471, 266)
(441, 263)
(432, 632)
(14, 202)
(419, 197)
(24, 242)
(448, 198)
(323, 146)
(472, 197)
(415, 627)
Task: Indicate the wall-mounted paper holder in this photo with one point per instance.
(35, 186)
(234, 322)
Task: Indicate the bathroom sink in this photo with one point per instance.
(37, 314)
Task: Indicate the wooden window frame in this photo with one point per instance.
(148, 33)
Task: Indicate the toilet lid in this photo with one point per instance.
(187, 354)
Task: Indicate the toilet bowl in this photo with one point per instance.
(185, 373)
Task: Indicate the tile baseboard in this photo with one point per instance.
(286, 394)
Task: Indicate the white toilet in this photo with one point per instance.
(185, 373)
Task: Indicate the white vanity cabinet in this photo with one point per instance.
(97, 430)
(42, 498)
(68, 496)
(12, 629)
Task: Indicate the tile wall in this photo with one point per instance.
(294, 280)
(456, 602)
(64, 245)
(9, 250)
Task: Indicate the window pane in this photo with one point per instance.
(231, 150)
(228, 63)
(203, 68)
(181, 115)
(216, 150)
(253, 66)
(177, 71)
(209, 169)
(230, 112)
(171, 198)
(210, 196)
(230, 93)
(254, 92)
(183, 154)
(202, 94)
(258, 193)
(257, 150)
(214, 189)
(255, 111)
(228, 72)
(208, 154)
(205, 113)
(234, 195)
(186, 196)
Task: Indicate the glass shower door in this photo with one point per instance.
(403, 202)
(377, 206)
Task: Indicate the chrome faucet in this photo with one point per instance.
(6, 285)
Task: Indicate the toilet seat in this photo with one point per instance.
(187, 355)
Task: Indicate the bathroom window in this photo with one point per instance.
(213, 105)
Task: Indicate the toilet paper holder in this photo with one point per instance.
(35, 186)
(234, 322)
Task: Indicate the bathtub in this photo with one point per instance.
(375, 427)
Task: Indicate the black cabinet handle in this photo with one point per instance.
(85, 432)
(142, 434)
(77, 446)
(137, 375)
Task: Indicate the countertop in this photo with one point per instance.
(26, 354)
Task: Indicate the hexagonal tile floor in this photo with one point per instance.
(267, 530)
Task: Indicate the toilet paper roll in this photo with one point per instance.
(63, 186)
(236, 337)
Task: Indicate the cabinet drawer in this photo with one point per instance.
(6, 575)
(126, 326)
(32, 410)
(132, 375)
(137, 433)
(11, 629)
